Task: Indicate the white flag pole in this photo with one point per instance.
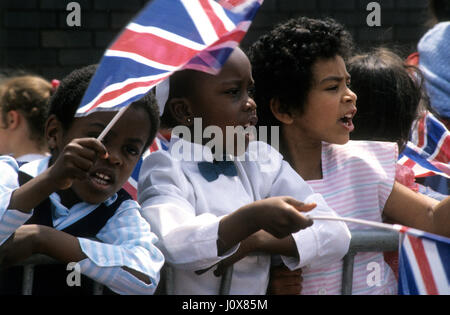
(111, 123)
(392, 227)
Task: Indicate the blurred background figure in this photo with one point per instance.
(23, 111)
(391, 103)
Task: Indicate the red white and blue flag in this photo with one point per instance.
(166, 36)
(160, 143)
(428, 152)
(424, 263)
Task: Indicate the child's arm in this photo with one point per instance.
(125, 259)
(279, 216)
(73, 163)
(324, 240)
(418, 211)
(38, 239)
(9, 220)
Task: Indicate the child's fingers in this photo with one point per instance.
(95, 145)
(300, 206)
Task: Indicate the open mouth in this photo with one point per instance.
(347, 122)
(101, 179)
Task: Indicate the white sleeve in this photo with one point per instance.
(125, 240)
(188, 240)
(324, 240)
(10, 220)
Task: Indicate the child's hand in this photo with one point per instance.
(281, 216)
(75, 161)
(250, 244)
(20, 245)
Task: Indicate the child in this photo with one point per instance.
(302, 85)
(23, 111)
(74, 195)
(388, 104)
(388, 96)
(203, 217)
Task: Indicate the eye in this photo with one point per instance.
(332, 88)
(132, 150)
(251, 91)
(232, 91)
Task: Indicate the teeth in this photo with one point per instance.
(102, 176)
(100, 181)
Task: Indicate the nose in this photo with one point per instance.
(114, 156)
(250, 104)
(350, 97)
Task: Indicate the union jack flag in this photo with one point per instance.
(166, 36)
(428, 151)
(424, 263)
(160, 143)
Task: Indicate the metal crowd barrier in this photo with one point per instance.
(28, 273)
(374, 240)
(366, 241)
(362, 241)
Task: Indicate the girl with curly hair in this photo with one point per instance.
(302, 85)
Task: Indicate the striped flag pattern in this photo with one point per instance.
(130, 186)
(167, 35)
(424, 263)
(428, 151)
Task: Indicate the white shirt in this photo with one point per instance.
(125, 240)
(184, 211)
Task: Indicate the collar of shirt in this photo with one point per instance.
(182, 150)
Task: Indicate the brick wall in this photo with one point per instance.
(34, 34)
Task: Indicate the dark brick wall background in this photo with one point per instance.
(34, 34)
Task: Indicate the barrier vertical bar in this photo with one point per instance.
(27, 279)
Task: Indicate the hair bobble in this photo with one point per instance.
(55, 84)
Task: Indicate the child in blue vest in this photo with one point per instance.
(240, 210)
(70, 206)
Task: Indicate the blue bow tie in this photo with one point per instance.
(211, 170)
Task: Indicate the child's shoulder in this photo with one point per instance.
(264, 155)
(262, 151)
(362, 150)
(378, 156)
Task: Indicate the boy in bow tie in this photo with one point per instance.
(209, 212)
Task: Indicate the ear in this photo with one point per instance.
(53, 133)
(13, 119)
(284, 117)
(180, 109)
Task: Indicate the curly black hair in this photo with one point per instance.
(67, 98)
(282, 61)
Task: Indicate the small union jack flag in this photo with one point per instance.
(424, 263)
(428, 152)
(161, 142)
(166, 36)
